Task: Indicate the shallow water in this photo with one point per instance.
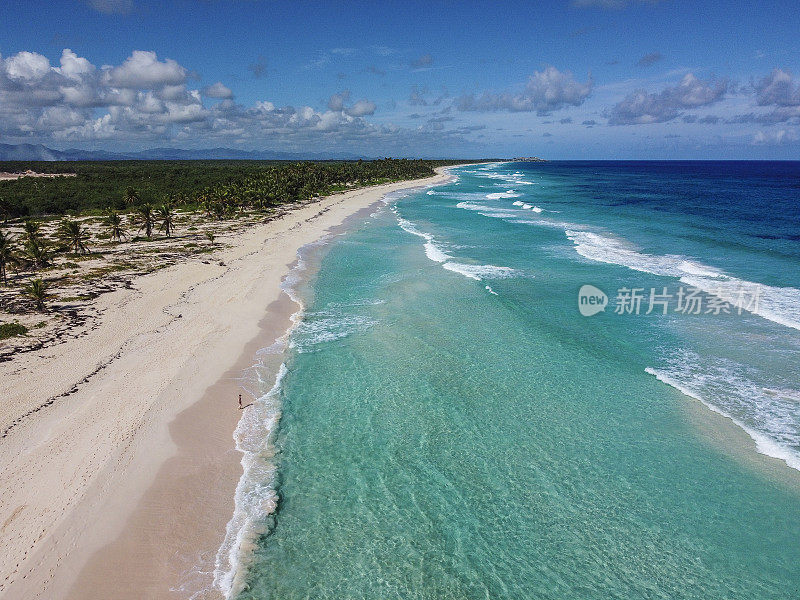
(452, 427)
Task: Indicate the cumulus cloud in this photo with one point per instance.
(142, 70)
(149, 100)
(426, 60)
(362, 108)
(641, 107)
(339, 103)
(545, 92)
(649, 59)
(217, 90)
(778, 88)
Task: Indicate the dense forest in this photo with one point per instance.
(121, 185)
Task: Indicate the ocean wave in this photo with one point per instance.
(769, 416)
(435, 253)
(488, 211)
(778, 304)
(480, 272)
(319, 328)
(255, 498)
(501, 195)
(536, 209)
(432, 251)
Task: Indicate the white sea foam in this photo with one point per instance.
(488, 211)
(435, 253)
(479, 272)
(778, 304)
(432, 251)
(768, 416)
(527, 206)
(255, 498)
(318, 328)
(536, 209)
(500, 195)
(518, 203)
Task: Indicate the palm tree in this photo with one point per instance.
(75, 235)
(114, 223)
(36, 290)
(32, 231)
(37, 252)
(7, 256)
(131, 197)
(146, 218)
(166, 216)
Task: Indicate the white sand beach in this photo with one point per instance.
(117, 468)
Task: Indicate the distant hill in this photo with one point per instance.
(27, 152)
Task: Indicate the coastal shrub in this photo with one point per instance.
(9, 330)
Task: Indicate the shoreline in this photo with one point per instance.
(101, 489)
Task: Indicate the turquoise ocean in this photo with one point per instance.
(447, 423)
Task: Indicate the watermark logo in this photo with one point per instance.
(685, 300)
(591, 300)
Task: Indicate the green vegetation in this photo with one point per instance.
(115, 227)
(145, 217)
(8, 330)
(56, 219)
(36, 290)
(75, 235)
(216, 186)
(7, 255)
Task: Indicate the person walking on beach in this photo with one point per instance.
(240, 402)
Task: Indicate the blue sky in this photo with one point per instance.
(559, 79)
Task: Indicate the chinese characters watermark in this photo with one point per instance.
(687, 300)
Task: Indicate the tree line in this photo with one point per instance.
(103, 185)
(148, 192)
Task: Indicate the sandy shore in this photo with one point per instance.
(118, 471)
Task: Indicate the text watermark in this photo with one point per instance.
(687, 300)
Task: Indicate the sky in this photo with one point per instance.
(566, 79)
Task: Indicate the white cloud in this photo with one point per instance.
(147, 100)
(143, 70)
(26, 67)
(640, 106)
(545, 92)
(362, 108)
(218, 90)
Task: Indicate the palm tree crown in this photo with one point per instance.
(146, 218)
(75, 235)
(114, 223)
(36, 290)
(166, 217)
